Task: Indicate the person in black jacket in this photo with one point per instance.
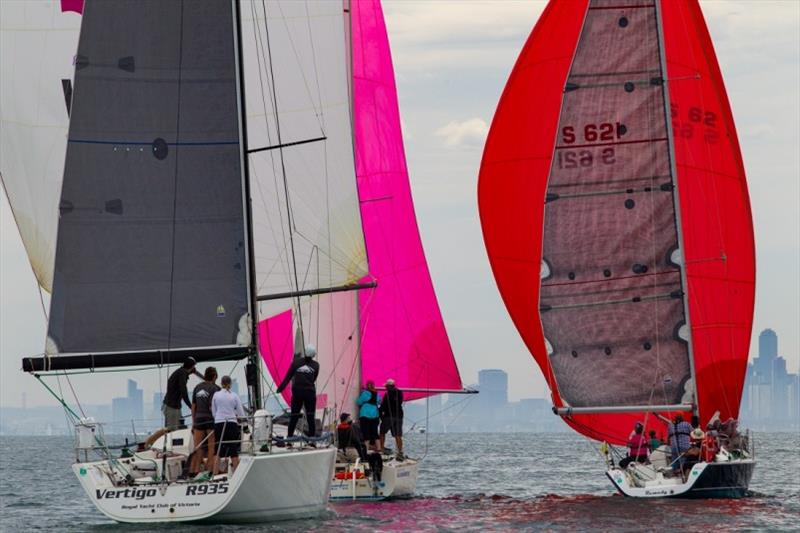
(348, 438)
(177, 391)
(303, 374)
(392, 416)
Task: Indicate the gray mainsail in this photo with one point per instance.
(152, 248)
(612, 299)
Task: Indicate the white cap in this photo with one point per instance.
(390, 382)
(311, 350)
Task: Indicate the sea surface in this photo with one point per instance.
(468, 482)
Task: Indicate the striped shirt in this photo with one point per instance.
(681, 430)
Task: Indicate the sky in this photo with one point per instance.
(452, 60)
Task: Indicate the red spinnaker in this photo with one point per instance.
(716, 223)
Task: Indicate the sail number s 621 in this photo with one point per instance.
(605, 131)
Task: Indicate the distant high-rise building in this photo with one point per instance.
(768, 344)
(493, 386)
(770, 392)
(128, 408)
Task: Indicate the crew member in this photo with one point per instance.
(227, 408)
(638, 447)
(391, 412)
(177, 391)
(303, 374)
(368, 415)
(348, 439)
(203, 420)
(679, 443)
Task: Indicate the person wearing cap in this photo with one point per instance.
(303, 374)
(177, 391)
(227, 409)
(348, 439)
(391, 411)
(638, 446)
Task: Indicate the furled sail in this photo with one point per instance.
(638, 188)
(38, 42)
(403, 335)
(152, 252)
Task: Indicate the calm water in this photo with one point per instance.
(467, 483)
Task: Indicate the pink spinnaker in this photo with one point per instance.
(403, 336)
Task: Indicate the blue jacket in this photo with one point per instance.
(367, 408)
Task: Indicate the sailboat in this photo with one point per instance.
(616, 217)
(395, 328)
(202, 157)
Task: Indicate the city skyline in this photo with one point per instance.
(770, 401)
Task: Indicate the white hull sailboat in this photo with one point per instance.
(278, 484)
(356, 481)
(615, 213)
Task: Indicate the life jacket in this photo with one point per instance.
(638, 445)
(709, 449)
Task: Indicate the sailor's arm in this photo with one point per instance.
(288, 377)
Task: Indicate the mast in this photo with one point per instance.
(253, 369)
(676, 199)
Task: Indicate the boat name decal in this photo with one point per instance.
(200, 490)
(141, 493)
(138, 494)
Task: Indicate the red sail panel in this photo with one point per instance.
(715, 211)
(515, 166)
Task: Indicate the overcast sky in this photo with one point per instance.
(452, 60)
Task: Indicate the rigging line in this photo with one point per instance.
(61, 392)
(321, 115)
(260, 54)
(300, 64)
(283, 168)
(175, 181)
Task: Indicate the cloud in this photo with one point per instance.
(435, 35)
(468, 133)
